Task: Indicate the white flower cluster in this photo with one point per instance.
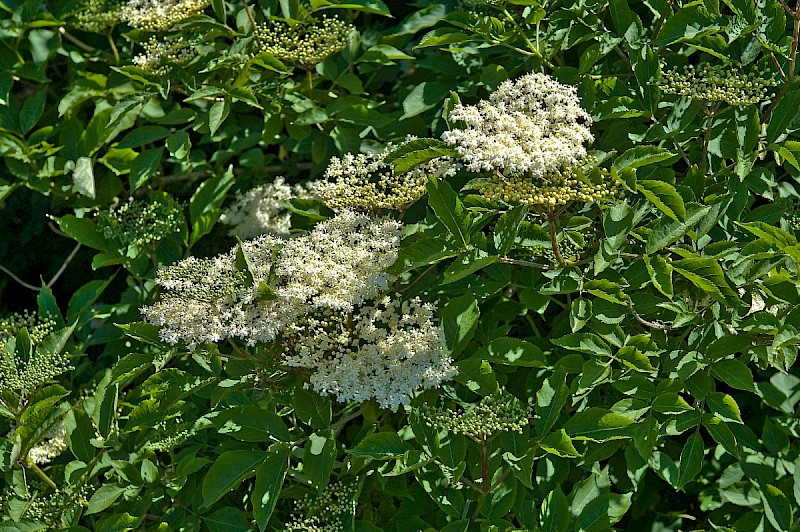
(159, 15)
(260, 210)
(381, 351)
(53, 444)
(160, 55)
(208, 300)
(365, 182)
(339, 264)
(531, 126)
(313, 293)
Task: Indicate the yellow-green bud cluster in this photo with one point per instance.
(492, 414)
(304, 43)
(793, 219)
(38, 328)
(556, 188)
(22, 373)
(43, 505)
(160, 15)
(161, 55)
(719, 83)
(364, 182)
(326, 512)
(571, 248)
(170, 434)
(99, 15)
(141, 222)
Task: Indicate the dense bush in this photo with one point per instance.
(347, 265)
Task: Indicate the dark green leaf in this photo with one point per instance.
(512, 352)
(144, 167)
(269, 481)
(228, 471)
(691, 459)
(459, 320)
(381, 445)
(449, 209)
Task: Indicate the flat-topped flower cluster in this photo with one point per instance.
(365, 182)
(305, 291)
(261, 210)
(533, 126)
(530, 138)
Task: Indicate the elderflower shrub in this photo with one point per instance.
(141, 222)
(37, 327)
(261, 210)
(719, 83)
(160, 15)
(338, 265)
(492, 414)
(160, 55)
(364, 182)
(386, 351)
(304, 43)
(531, 126)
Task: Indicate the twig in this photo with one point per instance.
(252, 23)
(551, 219)
(529, 264)
(57, 231)
(42, 475)
(77, 42)
(18, 280)
(651, 324)
(468, 482)
(69, 258)
(777, 64)
(113, 46)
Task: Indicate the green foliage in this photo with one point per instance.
(619, 336)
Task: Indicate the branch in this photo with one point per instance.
(651, 324)
(18, 280)
(252, 23)
(64, 266)
(74, 40)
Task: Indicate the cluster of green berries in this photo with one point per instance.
(492, 414)
(33, 369)
(571, 246)
(306, 43)
(719, 83)
(141, 222)
(793, 219)
(170, 434)
(37, 327)
(326, 512)
(39, 505)
(99, 16)
(160, 15)
(560, 187)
